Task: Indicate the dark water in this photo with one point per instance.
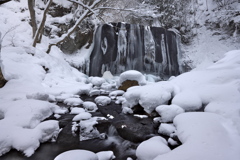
(122, 142)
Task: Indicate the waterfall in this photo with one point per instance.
(119, 47)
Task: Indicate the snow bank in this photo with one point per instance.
(132, 75)
(205, 136)
(151, 148)
(22, 128)
(188, 100)
(77, 154)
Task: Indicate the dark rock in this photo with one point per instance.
(135, 130)
(127, 84)
(2, 79)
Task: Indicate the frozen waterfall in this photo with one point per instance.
(119, 47)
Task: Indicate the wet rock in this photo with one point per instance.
(127, 84)
(135, 130)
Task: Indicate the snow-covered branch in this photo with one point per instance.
(71, 30)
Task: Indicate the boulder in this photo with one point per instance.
(127, 84)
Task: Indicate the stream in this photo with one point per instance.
(123, 135)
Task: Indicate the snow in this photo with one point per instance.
(105, 155)
(149, 96)
(168, 112)
(204, 136)
(90, 106)
(34, 78)
(76, 110)
(116, 93)
(76, 154)
(132, 75)
(102, 100)
(166, 129)
(73, 101)
(97, 81)
(82, 116)
(151, 148)
(188, 100)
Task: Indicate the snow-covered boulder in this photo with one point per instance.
(149, 96)
(188, 100)
(106, 155)
(97, 81)
(131, 78)
(168, 112)
(77, 154)
(151, 148)
(116, 93)
(132, 75)
(102, 100)
(89, 106)
(73, 101)
(76, 110)
(166, 129)
(94, 92)
(82, 116)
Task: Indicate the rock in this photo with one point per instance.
(2, 80)
(135, 131)
(127, 84)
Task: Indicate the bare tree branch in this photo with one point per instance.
(71, 30)
(39, 32)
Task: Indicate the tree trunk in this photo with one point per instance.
(38, 36)
(2, 80)
(31, 4)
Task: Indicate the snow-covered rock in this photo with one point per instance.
(90, 106)
(149, 96)
(77, 154)
(132, 75)
(73, 101)
(76, 110)
(82, 116)
(166, 129)
(105, 155)
(102, 100)
(151, 148)
(97, 81)
(116, 93)
(168, 112)
(94, 92)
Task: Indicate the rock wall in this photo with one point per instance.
(119, 47)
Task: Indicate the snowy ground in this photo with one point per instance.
(210, 128)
